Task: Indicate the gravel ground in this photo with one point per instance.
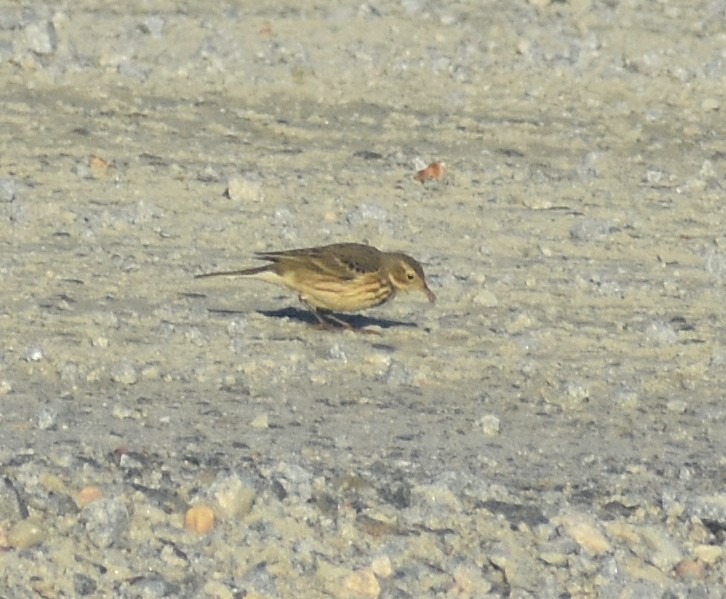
(554, 426)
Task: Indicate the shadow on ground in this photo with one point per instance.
(357, 321)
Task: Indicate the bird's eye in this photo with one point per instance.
(410, 276)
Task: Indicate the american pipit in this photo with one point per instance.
(342, 277)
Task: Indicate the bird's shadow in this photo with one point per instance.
(356, 321)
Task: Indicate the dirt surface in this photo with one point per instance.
(573, 365)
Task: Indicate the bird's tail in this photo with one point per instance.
(235, 273)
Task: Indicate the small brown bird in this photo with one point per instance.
(342, 277)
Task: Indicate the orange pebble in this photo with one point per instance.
(435, 170)
(199, 519)
(689, 569)
(98, 163)
(89, 494)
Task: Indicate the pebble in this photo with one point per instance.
(661, 333)
(361, 583)
(708, 554)
(663, 552)
(382, 566)
(484, 298)
(260, 421)
(26, 533)
(106, 522)
(469, 581)
(519, 567)
(582, 529)
(689, 569)
(9, 189)
(41, 37)
(709, 507)
(245, 189)
(489, 425)
(124, 373)
(589, 229)
(367, 212)
(199, 519)
(710, 104)
(232, 496)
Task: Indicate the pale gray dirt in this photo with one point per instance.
(552, 427)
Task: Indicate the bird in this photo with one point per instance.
(341, 277)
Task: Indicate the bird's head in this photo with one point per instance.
(406, 274)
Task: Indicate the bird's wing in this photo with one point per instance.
(358, 259)
(341, 260)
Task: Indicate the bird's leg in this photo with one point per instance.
(347, 326)
(328, 321)
(338, 321)
(322, 322)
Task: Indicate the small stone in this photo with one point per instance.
(154, 25)
(337, 353)
(41, 38)
(232, 497)
(366, 212)
(553, 558)
(133, 70)
(489, 425)
(627, 399)
(623, 531)
(665, 554)
(124, 373)
(583, 531)
(47, 420)
(589, 229)
(710, 104)
(708, 554)
(151, 372)
(709, 507)
(689, 569)
(171, 557)
(677, 406)
(521, 323)
(9, 189)
(382, 567)
(244, 189)
(361, 583)
(83, 585)
(107, 522)
(88, 495)
(25, 533)
(661, 333)
(435, 170)
(5, 387)
(217, 590)
(519, 566)
(437, 496)
(261, 421)
(484, 298)
(199, 519)
(646, 574)
(34, 354)
(470, 582)
(125, 413)
(399, 374)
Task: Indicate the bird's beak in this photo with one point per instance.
(429, 294)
